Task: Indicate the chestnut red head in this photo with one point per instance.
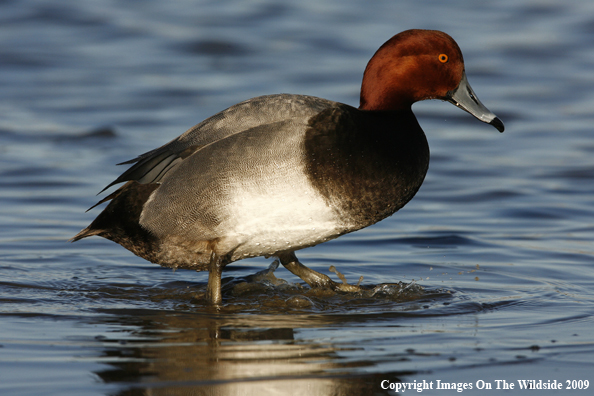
(418, 65)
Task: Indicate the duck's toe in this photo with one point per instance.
(344, 286)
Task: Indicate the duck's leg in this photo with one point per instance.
(213, 289)
(311, 277)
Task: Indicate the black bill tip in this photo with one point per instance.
(496, 122)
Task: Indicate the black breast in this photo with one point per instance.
(366, 164)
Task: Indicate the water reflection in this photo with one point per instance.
(221, 354)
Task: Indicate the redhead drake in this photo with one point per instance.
(279, 173)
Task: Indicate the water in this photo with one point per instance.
(499, 237)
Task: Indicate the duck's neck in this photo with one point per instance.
(378, 98)
(376, 95)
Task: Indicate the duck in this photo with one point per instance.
(279, 173)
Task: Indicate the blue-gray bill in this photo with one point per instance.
(465, 98)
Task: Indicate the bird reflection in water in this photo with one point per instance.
(206, 350)
(200, 354)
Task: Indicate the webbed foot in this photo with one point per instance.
(315, 279)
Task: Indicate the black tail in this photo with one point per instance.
(120, 220)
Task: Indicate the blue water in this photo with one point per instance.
(499, 236)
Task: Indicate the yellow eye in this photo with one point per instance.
(443, 58)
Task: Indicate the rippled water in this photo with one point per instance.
(498, 240)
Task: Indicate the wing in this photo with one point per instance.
(152, 166)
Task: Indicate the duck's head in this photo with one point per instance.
(418, 65)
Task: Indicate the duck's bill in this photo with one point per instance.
(465, 98)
